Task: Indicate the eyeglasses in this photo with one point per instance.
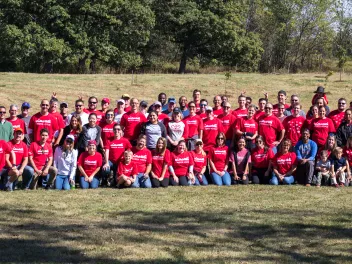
(269, 108)
(79, 105)
(199, 144)
(2, 112)
(202, 105)
(93, 102)
(110, 115)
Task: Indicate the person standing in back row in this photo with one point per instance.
(26, 118)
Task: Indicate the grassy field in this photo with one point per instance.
(19, 87)
(242, 224)
(239, 224)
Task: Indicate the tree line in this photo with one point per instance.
(79, 36)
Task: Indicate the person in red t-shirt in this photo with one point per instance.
(228, 122)
(53, 110)
(41, 120)
(92, 108)
(270, 127)
(281, 98)
(261, 162)
(74, 129)
(132, 122)
(107, 124)
(218, 160)
(196, 99)
(105, 103)
(127, 170)
(337, 115)
(161, 157)
(312, 114)
(321, 127)
(126, 97)
(217, 109)
(202, 109)
(284, 165)
(200, 163)
(89, 164)
(114, 150)
(261, 111)
(40, 159)
(143, 158)
(181, 168)
(212, 127)
(8, 168)
(246, 127)
(241, 111)
(195, 126)
(21, 151)
(293, 125)
(14, 120)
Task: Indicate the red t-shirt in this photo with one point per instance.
(158, 162)
(197, 106)
(128, 108)
(195, 123)
(217, 112)
(59, 119)
(336, 116)
(276, 108)
(127, 169)
(240, 113)
(116, 148)
(321, 129)
(20, 149)
(348, 154)
(211, 130)
(315, 97)
(18, 123)
(199, 161)
(132, 122)
(228, 124)
(90, 162)
(107, 133)
(4, 149)
(202, 115)
(142, 158)
(164, 118)
(219, 156)
(39, 121)
(293, 128)
(39, 154)
(307, 122)
(284, 162)
(181, 162)
(258, 114)
(246, 125)
(260, 159)
(268, 128)
(99, 114)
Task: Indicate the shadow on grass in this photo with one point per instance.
(247, 236)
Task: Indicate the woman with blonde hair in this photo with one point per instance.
(160, 164)
(65, 161)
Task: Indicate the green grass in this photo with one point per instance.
(239, 224)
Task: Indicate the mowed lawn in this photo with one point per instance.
(237, 224)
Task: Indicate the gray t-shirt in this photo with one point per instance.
(26, 121)
(326, 164)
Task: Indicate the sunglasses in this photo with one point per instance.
(93, 102)
(79, 105)
(110, 115)
(199, 144)
(203, 105)
(221, 138)
(2, 112)
(342, 103)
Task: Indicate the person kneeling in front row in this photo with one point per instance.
(127, 170)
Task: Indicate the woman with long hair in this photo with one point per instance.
(330, 146)
(153, 130)
(284, 165)
(246, 127)
(143, 159)
(160, 164)
(90, 131)
(261, 157)
(176, 129)
(240, 159)
(218, 160)
(321, 127)
(107, 125)
(200, 163)
(181, 168)
(65, 161)
(74, 129)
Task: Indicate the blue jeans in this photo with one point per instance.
(86, 185)
(62, 182)
(112, 167)
(287, 180)
(221, 180)
(141, 182)
(204, 181)
(27, 176)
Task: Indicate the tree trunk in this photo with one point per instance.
(183, 63)
(81, 67)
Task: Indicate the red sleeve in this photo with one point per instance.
(31, 123)
(55, 123)
(128, 145)
(185, 131)
(23, 126)
(31, 149)
(107, 144)
(284, 123)
(274, 161)
(7, 148)
(135, 169)
(279, 124)
(270, 154)
(25, 151)
(50, 151)
(100, 160)
(200, 126)
(123, 120)
(149, 157)
(80, 159)
(143, 118)
(167, 158)
(311, 125)
(221, 128)
(60, 122)
(191, 159)
(331, 126)
(210, 154)
(294, 157)
(326, 99)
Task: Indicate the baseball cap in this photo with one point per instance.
(198, 140)
(92, 142)
(26, 105)
(70, 137)
(171, 100)
(282, 92)
(177, 110)
(209, 108)
(157, 103)
(18, 129)
(121, 101)
(125, 96)
(106, 100)
(64, 104)
(143, 104)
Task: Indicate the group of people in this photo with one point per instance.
(190, 143)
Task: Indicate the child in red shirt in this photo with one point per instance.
(127, 170)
